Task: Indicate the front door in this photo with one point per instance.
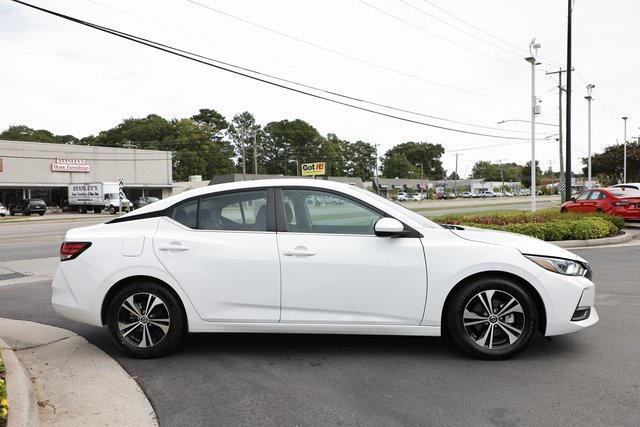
(336, 271)
(222, 250)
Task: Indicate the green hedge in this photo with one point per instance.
(548, 224)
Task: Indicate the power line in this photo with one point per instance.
(434, 34)
(349, 56)
(424, 12)
(185, 55)
(475, 27)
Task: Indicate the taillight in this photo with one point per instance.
(71, 250)
(623, 203)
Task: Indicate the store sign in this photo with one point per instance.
(70, 165)
(311, 169)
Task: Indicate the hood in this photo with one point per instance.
(525, 244)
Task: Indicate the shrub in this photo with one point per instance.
(549, 224)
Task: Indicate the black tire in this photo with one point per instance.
(27, 213)
(41, 213)
(599, 211)
(495, 339)
(133, 343)
(97, 210)
(112, 210)
(563, 210)
(12, 213)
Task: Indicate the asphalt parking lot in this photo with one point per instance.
(589, 378)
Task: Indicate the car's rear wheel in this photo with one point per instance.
(491, 318)
(563, 210)
(599, 211)
(146, 320)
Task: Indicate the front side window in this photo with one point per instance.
(240, 211)
(583, 196)
(313, 211)
(595, 195)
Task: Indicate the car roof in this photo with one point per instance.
(241, 185)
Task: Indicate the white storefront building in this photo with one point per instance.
(44, 171)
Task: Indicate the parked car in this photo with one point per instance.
(631, 185)
(624, 202)
(508, 194)
(402, 197)
(486, 194)
(466, 195)
(144, 201)
(3, 210)
(173, 267)
(416, 197)
(28, 207)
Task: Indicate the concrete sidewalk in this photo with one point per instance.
(76, 384)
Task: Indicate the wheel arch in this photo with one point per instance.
(122, 283)
(542, 313)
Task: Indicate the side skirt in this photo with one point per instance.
(296, 328)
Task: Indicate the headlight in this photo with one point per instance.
(561, 266)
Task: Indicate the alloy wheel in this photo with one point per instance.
(143, 320)
(493, 319)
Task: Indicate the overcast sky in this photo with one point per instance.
(73, 80)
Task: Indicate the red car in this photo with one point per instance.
(622, 202)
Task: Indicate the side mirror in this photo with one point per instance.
(389, 227)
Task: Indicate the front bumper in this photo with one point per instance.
(579, 294)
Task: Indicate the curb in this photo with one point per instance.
(23, 405)
(624, 237)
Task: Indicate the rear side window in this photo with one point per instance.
(186, 213)
(240, 211)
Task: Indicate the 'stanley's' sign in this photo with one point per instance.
(70, 165)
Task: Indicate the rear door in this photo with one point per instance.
(222, 250)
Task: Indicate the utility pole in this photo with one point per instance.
(255, 153)
(589, 98)
(563, 195)
(533, 49)
(375, 146)
(455, 183)
(244, 157)
(624, 162)
(501, 176)
(421, 179)
(568, 124)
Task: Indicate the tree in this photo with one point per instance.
(360, 160)
(25, 133)
(418, 153)
(491, 171)
(286, 141)
(148, 133)
(453, 176)
(526, 174)
(241, 132)
(212, 121)
(396, 165)
(609, 163)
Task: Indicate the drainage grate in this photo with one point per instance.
(10, 276)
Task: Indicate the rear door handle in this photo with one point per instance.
(298, 251)
(173, 247)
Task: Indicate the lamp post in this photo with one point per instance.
(624, 161)
(589, 98)
(533, 49)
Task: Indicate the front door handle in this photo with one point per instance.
(298, 251)
(173, 247)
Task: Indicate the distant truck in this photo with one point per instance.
(97, 196)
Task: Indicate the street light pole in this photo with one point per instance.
(533, 48)
(421, 179)
(255, 153)
(624, 161)
(589, 98)
(567, 151)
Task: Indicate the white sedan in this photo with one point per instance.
(312, 256)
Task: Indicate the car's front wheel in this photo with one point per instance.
(492, 318)
(146, 320)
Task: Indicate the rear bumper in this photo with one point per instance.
(65, 301)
